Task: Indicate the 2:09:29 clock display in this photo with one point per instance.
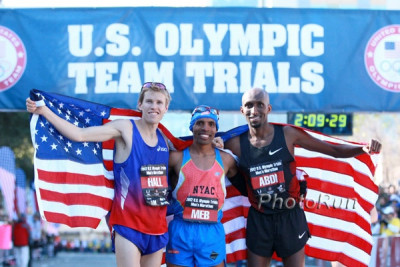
(327, 123)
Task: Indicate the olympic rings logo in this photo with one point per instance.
(387, 66)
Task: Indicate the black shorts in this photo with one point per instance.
(285, 232)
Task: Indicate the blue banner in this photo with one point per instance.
(307, 59)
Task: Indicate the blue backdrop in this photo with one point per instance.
(307, 59)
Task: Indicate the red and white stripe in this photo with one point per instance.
(71, 193)
(341, 192)
(340, 230)
(340, 195)
(235, 210)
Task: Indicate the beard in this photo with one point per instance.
(255, 125)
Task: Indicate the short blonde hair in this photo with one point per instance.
(155, 87)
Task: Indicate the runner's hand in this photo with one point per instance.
(218, 142)
(374, 147)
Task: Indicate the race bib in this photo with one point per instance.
(154, 184)
(201, 209)
(268, 178)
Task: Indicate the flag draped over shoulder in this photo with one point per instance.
(74, 181)
(74, 185)
(341, 193)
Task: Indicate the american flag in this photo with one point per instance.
(74, 181)
(341, 192)
(7, 180)
(20, 191)
(392, 49)
(72, 185)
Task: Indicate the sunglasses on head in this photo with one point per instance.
(201, 109)
(151, 84)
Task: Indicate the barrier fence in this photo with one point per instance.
(385, 252)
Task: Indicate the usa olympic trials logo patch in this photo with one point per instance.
(382, 58)
(12, 58)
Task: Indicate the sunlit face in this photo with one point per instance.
(153, 107)
(255, 107)
(204, 131)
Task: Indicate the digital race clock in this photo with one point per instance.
(327, 123)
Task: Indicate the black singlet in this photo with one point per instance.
(270, 173)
